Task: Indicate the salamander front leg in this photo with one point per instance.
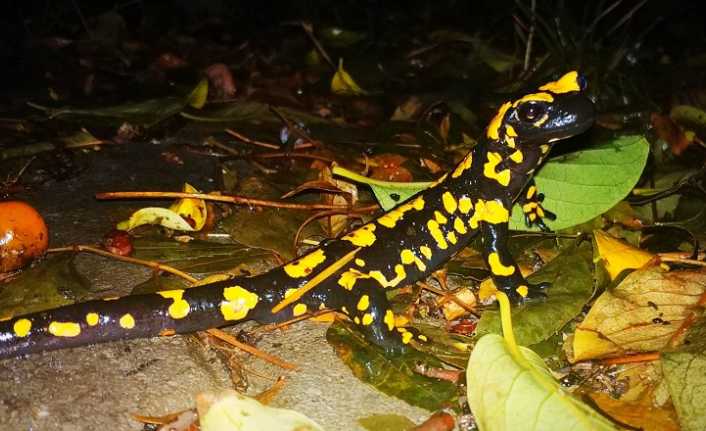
(505, 272)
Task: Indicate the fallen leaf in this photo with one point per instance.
(516, 391)
(642, 314)
(231, 411)
(188, 215)
(617, 255)
(343, 83)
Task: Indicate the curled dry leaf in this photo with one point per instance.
(617, 255)
(645, 313)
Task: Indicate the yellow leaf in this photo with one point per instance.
(198, 96)
(176, 217)
(191, 209)
(618, 255)
(343, 83)
(642, 314)
(453, 310)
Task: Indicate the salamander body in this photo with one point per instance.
(351, 273)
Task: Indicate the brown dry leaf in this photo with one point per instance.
(348, 195)
(643, 314)
(667, 130)
(617, 255)
(388, 167)
(646, 404)
(407, 110)
(452, 310)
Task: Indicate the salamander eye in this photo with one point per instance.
(530, 111)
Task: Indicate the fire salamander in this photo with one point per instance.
(351, 273)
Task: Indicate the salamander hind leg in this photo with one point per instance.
(367, 306)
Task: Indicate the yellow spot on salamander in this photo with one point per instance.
(363, 303)
(517, 156)
(407, 337)
(179, 308)
(531, 190)
(544, 148)
(389, 320)
(492, 212)
(436, 233)
(289, 292)
(22, 327)
(426, 251)
(391, 218)
(459, 226)
(92, 319)
(449, 202)
(348, 279)
(299, 309)
(534, 97)
(465, 205)
(64, 329)
(510, 135)
(493, 131)
(440, 218)
(238, 302)
(566, 84)
(362, 237)
(497, 267)
(408, 257)
(127, 321)
(356, 319)
(360, 262)
(451, 236)
(305, 265)
(422, 337)
(541, 121)
(502, 177)
(367, 319)
(529, 207)
(522, 290)
(465, 165)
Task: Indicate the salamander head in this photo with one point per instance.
(558, 110)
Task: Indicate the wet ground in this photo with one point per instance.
(100, 387)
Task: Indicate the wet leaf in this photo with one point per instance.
(617, 256)
(394, 376)
(50, 284)
(386, 423)
(243, 111)
(186, 215)
(343, 83)
(685, 373)
(232, 411)
(571, 277)
(507, 392)
(642, 314)
(690, 117)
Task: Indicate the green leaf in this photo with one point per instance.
(386, 423)
(584, 184)
(52, 283)
(571, 278)
(510, 393)
(577, 186)
(389, 194)
(685, 373)
(394, 376)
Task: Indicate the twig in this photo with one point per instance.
(685, 261)
(309, 30)
(293, 128)
(530, 37)
(148, 263)
(630, 359)
(250, 349)
(252, 141)
(241, 200)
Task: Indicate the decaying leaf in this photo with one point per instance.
(642, 314)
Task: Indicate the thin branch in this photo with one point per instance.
(250, 349)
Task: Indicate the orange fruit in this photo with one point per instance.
(23, 235)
